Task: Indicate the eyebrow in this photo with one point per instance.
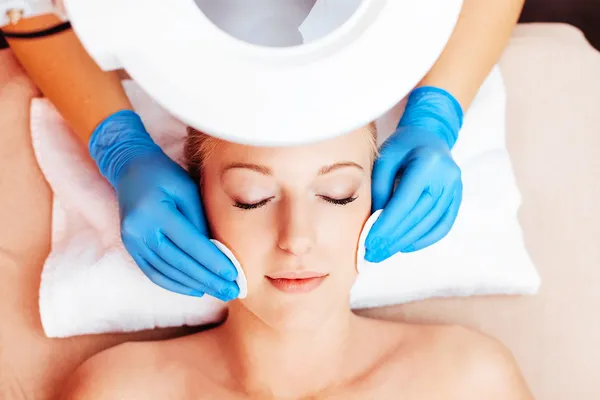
(261, 169)
(329, 168)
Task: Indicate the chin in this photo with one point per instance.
(296, 313)
(296, 321)
(299, 311)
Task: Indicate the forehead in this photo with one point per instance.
(354, 147)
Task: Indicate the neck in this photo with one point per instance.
(286, 363)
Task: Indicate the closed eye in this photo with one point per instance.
(252, 206)
(248, 206)
(339, 202)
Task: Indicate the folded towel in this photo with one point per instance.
(91, 285)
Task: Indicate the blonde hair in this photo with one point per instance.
(199, 147)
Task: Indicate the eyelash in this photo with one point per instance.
(337, 202)
(245, 206)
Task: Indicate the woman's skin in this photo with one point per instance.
(275, 209)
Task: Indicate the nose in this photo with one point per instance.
(297, 230)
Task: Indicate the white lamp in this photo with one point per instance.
(260, 71)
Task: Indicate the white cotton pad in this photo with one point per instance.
(361, 263)
(241, 279)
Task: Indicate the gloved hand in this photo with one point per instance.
(422, 208)
(162, 222)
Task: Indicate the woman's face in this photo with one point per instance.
(292, 212)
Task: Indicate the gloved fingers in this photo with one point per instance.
(404, 199)
(185, 236)
(188, 202)
(443, 226)
(157, 264)
(171, 272)
(423, 207)
(175, 264)
(383, 176)
(425, 224)
(163, 281)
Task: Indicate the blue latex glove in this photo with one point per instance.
(422, 208)
(162, 222)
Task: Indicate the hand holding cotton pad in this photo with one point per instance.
(241, 278)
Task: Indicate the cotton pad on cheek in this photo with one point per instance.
(361, 263)
(241, 278)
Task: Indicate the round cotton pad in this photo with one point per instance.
(360, 255)
(241, 279)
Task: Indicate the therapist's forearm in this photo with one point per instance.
(481, 34)
(63, 71)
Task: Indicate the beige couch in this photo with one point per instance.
(552, 76)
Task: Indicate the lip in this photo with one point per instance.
(296, 282)
(296, 275)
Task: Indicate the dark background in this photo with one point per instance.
(584, 14)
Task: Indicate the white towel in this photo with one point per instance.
(90, 284)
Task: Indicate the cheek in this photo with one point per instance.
(213, 208)
(340, 231)
(247, 233)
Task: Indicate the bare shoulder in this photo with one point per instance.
(479, 365)
(167, 369)
(122, 372)
(429, 361)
